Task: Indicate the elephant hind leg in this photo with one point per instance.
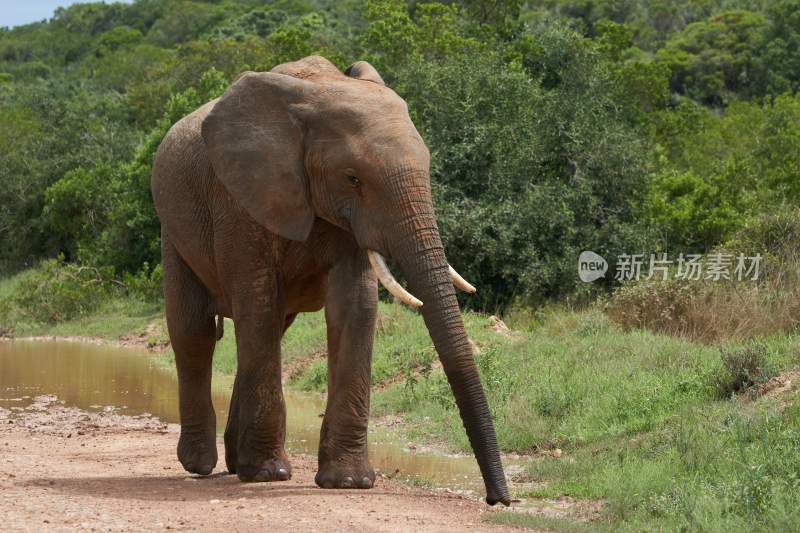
(193, 335)
(232, 427)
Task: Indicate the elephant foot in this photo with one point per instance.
(342, 476)
(197, 454)
(277, 469)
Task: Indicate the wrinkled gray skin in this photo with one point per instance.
(269, 198)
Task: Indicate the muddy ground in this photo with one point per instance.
(66, 469)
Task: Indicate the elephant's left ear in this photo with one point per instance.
(364, 71)
(254, 137)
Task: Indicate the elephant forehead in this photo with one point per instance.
(369, 137)
(361, 98)
(349, 121)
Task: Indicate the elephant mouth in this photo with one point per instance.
(386, 278)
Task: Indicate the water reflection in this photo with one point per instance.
(91, 377)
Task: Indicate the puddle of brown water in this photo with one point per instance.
(92, 377)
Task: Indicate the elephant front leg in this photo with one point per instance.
(259, 424)
(350, 312)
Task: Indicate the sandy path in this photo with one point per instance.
(65, 469)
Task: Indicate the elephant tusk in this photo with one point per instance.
(387, 280)
(460, 282)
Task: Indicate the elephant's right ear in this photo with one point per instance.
(254, 139)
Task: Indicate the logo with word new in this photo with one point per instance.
(591, 266)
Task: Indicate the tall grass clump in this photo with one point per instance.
(715, 311)
(743, 367)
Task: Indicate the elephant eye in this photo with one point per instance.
(354, 181)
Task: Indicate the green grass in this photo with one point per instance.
(112, 320)
(640, 420)
(304, 338)
(402, 347)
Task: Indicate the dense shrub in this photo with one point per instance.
(717, 170)
(528, 171)
(147, 284)
(105, 213)
(47, 129)
(777, 237)
(57, 291)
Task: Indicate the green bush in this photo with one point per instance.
(520, 183)
(716, 170)
(147, 284)
(104, 215)
(776, 236)
(57, 291)
(695, 212)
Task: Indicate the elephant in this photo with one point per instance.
(284, 196)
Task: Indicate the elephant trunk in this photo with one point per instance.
(420, 254)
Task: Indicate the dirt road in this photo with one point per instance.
(66, 469)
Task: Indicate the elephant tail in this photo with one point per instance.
(220, 326)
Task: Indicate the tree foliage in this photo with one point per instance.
(554, 126)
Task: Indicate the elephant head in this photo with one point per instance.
(305, 141)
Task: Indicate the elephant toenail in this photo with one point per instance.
(366, 482)
(348, 483)
(283, 474)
